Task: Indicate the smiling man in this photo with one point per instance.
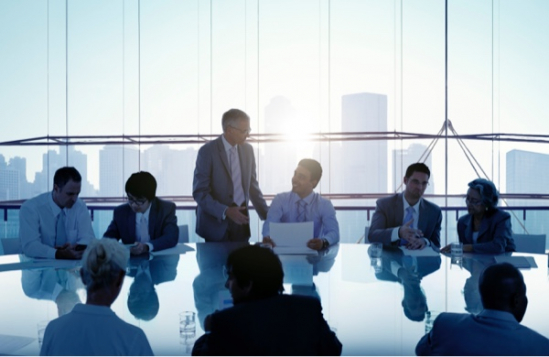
(225, 181)
(146, 220)
(407, 219)
(302, 204)
(54, 223)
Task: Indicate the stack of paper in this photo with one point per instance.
(292, 238)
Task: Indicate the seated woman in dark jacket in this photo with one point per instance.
(486, 229)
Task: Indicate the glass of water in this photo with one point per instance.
(187, 324)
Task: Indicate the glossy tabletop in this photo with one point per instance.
(377, 306)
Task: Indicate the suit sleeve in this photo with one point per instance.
(461, 230)
(202, 181)
(501, 233)
(170, 232)
(256, 196)
(379, 232)
(329, 343)
(435, 236)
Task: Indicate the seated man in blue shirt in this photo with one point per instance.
(303, 205)
(145, 220)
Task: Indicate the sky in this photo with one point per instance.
(173, 67)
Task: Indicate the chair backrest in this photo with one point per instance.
(529, 243)
(366, 231)
(11, 246)
(184, 233)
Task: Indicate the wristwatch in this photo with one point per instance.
(325, 243)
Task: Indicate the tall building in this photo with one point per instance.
(525, 173)
(116, 164)
(404, 158)
(13, 179)
(363, 164)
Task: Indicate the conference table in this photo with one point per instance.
(376, 305)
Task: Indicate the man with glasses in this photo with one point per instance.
(56, 224)
(407, 219)
(146, 221)
(225, 181)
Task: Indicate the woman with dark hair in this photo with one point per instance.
(93, 328)
(486, 228)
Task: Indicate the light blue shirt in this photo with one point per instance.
(319, 210)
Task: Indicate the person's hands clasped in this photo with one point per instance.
(236, 215)
(67, 251)
(416, 243)
(447, 249)
(139, 248)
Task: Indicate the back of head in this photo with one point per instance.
(502, 288)
(417, 167)
(259, 266)
(313, 167)
(232, 116)
(141, 184)
(488, 192)
(102, 262)
(65, 174)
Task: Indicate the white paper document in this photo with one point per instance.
(425, 252)
(292, 238)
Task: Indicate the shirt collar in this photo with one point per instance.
(307, 199)
(226, 144)
(146, 213)
(415, 207)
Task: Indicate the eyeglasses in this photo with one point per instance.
(242, 131)
(416, 182)
(472, 201)
(136, 201)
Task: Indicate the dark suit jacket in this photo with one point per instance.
(494, 236)
(163, 228)
(390, 213)
(280, 325)
(213, 188)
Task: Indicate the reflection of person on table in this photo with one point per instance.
(225, 180)
(93, 328)
(57, 285)
(52, 224)
(409, 271)
(496, 330)
(303, 205)
(143, 302)
(476, 266)
(263, 321)
(407, 219)
(486, 228)
(145, 220)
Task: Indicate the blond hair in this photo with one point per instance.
(102, 262)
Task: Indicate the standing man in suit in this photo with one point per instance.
(263, 321)
(407, 219)
(496, 330)
(225, 180)
(145, 220)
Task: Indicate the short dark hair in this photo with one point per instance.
(488, 192)
(313, 167)
(257, 265)
(498, 283)
(65, 174)
(143, 301)
(232, 116)
(417, 167)
(141, 184)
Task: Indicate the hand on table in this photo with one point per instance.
(315, 243)
(416, 243)
(268, 240)
(67, 251)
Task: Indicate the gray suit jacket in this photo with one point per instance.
(491, 332)
(390, 213)
(213, 188)
(494, 236)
